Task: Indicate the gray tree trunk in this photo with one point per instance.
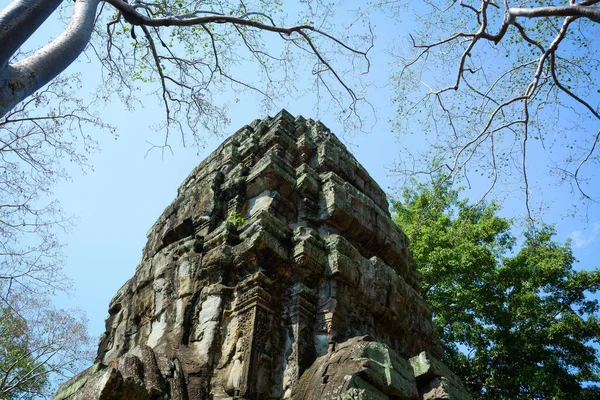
(18, 21)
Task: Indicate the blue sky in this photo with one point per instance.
(127, 190)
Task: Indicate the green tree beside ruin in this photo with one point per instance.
(516, 319)
(16, 360)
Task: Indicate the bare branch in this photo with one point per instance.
(495, 69)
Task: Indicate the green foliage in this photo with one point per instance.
(16, 358)
(516, 323)
(236, 219)
(40, 346)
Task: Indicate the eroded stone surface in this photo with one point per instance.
(276, 258)
(435, 380)
(358, 368)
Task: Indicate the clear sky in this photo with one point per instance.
(128, 189)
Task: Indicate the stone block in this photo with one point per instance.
(435, 380)
(389, 372)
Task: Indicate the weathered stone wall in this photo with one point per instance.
(278, 248)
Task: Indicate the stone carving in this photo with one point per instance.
(276, 273)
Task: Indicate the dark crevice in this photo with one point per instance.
(188, 319)
(181, 231)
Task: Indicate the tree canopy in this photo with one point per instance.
(517, 319)
(15, 359)
(40, 346)
(508, 91)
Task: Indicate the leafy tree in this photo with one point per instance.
(517, 321)
(39, 347)
(505, 87)
(14, 354)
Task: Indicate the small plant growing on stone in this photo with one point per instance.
(236, 219)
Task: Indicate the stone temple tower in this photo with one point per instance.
(276, 273)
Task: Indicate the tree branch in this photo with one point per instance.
(577, 10)
(19, 21)
(20, 80)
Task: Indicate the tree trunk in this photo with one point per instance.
(17, 22)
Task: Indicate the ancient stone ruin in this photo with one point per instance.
(276, 273)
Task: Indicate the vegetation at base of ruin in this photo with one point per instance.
(516, 318)
(507, 92)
